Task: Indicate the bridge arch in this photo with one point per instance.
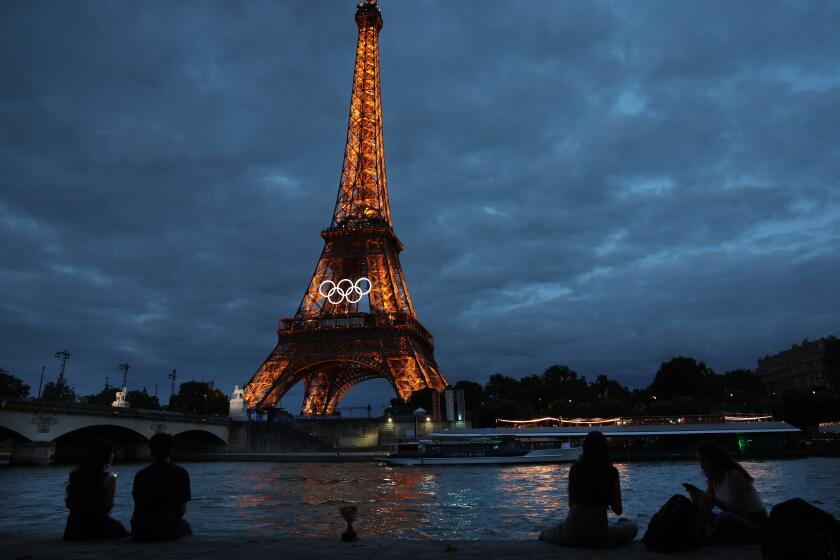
(68, 430)
(13, 435)
(198, 441)
(128, 444)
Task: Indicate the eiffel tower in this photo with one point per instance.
(356, 320)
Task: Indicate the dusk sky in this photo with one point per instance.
(601, 185)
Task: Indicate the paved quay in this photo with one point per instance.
(27, 548)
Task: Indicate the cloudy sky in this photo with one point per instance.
(603, 185)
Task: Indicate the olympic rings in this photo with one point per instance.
(347, 290)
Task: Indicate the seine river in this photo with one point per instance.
(267, 500)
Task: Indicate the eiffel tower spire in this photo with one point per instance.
(363, 191)
(356, 320)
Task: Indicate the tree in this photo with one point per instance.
(744, 385)
(607, 388)
(500, 387)
(532, 391)
(11, 386)
(142, 399)
(494, 410)
(560, 382)
(104, 397)
(680, 376)
(611, 408)
(200, 397)
(58, 391)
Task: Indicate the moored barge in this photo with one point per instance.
(562, 444)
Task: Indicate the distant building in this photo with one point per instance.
(802, 368)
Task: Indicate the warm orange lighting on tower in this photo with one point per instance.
(356, 320)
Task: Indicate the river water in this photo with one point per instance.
(273, 500)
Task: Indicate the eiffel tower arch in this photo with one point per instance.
(356, 320)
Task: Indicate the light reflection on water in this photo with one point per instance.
(278, 499)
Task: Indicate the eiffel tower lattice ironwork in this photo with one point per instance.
(332, 343)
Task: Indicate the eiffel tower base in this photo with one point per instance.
(331, 356)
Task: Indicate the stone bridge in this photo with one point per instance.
(46, 431)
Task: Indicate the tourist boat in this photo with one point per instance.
(483, 450)
(637, 441)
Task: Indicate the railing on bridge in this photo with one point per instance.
(60, 407)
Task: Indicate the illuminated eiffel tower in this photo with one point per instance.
(356, 320)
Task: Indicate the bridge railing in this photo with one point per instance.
(60, 407)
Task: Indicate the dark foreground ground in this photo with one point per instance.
(23, 548)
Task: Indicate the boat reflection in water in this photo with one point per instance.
(468, 449)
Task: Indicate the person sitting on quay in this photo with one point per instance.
(161, 492)
(730, 489)
(90, 497)
(593, 487)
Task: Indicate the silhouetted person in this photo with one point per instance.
(729, 488)
(90, 497)
(161, 492)
(593, 487)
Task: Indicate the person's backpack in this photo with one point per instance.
(796, 529)
(678, 525)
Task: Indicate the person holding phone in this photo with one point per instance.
(730, 489)
(90, 497)
(593, 488)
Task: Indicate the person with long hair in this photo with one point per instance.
(594, 487)
(730, 489)
(90, 497)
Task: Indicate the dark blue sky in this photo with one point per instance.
(603, 185)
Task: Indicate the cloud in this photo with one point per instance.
(598, 184)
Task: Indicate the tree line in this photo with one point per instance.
(199, 397)
(681, 386)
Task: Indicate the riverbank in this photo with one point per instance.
(14, 547)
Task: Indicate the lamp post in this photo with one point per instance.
(41, 383)
(172, 377)
(65, 355)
